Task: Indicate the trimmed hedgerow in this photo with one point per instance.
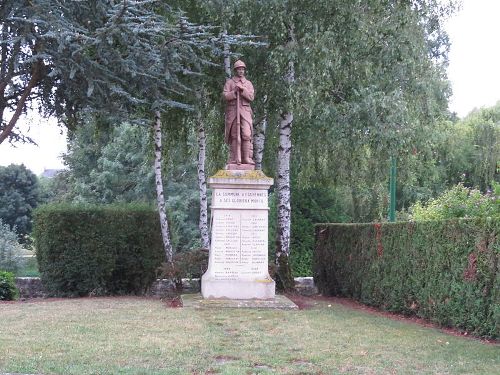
(444, 271)
(97, 250)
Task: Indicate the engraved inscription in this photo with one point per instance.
(239, 244)
(240, 198)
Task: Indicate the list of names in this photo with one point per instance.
(239, 244)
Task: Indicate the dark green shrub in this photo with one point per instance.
(97, 250)
(19, 195)
(444, 271)
(8, 290)
(309, 205)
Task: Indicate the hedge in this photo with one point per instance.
(444, 271)
(97, 250)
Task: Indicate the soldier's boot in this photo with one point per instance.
(247, 152)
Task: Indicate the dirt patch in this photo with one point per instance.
(310, 302)
(301, 362)
(173, 303)
(209, 372)
(261, 366)
(222, 359)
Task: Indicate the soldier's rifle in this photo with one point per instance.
(238, 128)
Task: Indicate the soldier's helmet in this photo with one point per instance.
(239, 64)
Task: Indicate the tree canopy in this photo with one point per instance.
(119, 58)
(19, 195)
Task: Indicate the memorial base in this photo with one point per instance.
(237, 289)
(238, 260)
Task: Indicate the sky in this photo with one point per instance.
(474, 69)
(474, 72)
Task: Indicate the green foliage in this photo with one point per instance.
(483, 130)
(309, 206)
(366, 86)
(114, 165)
(468, 150)
(97, 250)
(458, 202)
(10, 249)
(19, 195)
(119, 58)
(110, 164)
(182, 201)
(445, 271)
(8, 290)
(55, 189)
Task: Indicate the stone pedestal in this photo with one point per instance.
(238, 265)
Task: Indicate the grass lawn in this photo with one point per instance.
(141, 336)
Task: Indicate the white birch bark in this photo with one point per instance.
(259, 139)
(283, 185)
(160, 198)
(202, 178)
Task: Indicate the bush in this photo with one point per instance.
(8, 290)
(445, 271)
(458, 202)
(97, 250)
(10, 249)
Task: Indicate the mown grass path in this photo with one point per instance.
(141, 336)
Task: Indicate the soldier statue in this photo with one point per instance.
(238, 93)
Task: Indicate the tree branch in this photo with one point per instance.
(35, 78)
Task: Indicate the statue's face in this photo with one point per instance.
(240, 72)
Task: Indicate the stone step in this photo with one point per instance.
(196, 301)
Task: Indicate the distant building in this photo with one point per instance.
(50, 173)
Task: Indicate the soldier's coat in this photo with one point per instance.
(246, 96)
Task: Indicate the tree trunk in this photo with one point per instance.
(160, 198)
(36, 75)
(283, 189)
(202, 178)
(284, 206)
(259, 139)
(227, 58)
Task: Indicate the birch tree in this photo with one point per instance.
(202, 176)
(259, 138)
(160, 198)
(283, 178)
